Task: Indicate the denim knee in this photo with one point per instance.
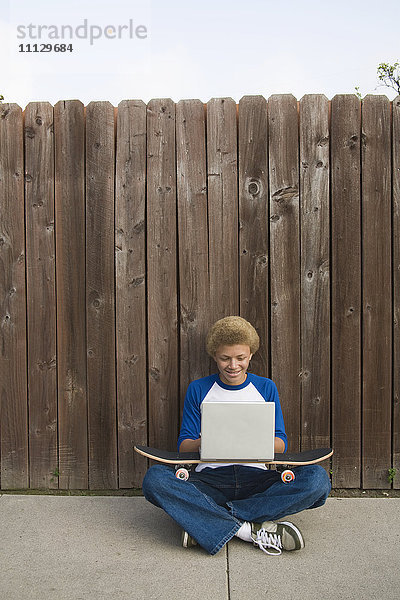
(319, 479)
(153, 480)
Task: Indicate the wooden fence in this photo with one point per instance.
(125, 233)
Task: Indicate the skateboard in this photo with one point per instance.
(184, 460)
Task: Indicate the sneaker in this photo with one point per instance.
(272, 537)
(187, 540)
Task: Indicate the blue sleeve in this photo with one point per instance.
(279, 423)
(191, 420)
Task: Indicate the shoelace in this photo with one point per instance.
(265, 540)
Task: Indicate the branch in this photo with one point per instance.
(390, 75)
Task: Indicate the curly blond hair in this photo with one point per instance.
(230, 331)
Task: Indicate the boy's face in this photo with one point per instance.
(232, 363)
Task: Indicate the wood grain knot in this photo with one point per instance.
(253, 188)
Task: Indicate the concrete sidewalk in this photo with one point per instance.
(95, 548)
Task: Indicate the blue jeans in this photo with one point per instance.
(212, 504)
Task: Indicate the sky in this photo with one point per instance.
(187, 49)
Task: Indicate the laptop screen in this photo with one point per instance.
(243, 431)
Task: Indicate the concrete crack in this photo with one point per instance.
(228, 584)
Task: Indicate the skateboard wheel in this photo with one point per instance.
(182, 474)
(287, 476)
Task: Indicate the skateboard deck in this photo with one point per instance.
(307, 457)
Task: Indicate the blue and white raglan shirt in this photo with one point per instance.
(212, 389)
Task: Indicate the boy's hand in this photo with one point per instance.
(279, 445)
(190, 445)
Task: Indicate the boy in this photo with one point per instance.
(220, 501)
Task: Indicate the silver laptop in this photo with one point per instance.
(237, 431)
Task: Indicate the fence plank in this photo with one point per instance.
(69, 127)
(194, 284)
(377, 293)
(100, 300)
(162, 275)
(346, 290)
(130, 259)
(41, 295)
(285, 258)
(13, 377)
(222, 207)
(315, 308)
(253, 219)
(396, 288)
